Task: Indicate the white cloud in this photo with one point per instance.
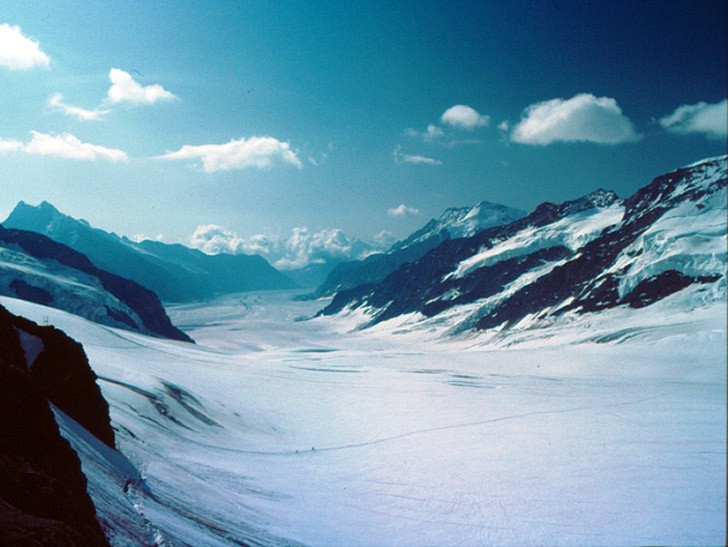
(17, 52)
(301, 248)
(213, 239)
(56, 101)
(402, 210)
(464, 117)
(124, 89)
(8, 145)
(399, 157)
(63, 146)
(583, 118)
(259, 152)
(430, 134)
(504, 126)
(384, 240)
(144, 237)
(706, 118)
(304, 247)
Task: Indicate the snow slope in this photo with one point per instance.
(602, 429)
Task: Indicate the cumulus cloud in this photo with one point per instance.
(8, 145)
(706, 118)
(55, 101)
(144, 237)
(70, 147)
(213, 239)
(400, 157)
(583, 118)
(304, 247)
(402, 210)
(301, 248)
(259, 152)
(124, 89)
(504, 126)
(464, 117)
(430, 134)
(18, 52)
(65, 146)
(384, 240)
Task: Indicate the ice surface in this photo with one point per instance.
(599, 429)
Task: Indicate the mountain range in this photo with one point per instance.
(171, 406)
(35, 268)
(174, 272)
(586, 255)
(456, 222)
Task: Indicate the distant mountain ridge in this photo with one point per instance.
(33, 267)
(585, 255)
(456, 222)
(174, 272)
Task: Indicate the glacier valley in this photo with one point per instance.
(278, 428)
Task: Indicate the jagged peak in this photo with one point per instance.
(46, 205)
(602, 198)
(715, 159)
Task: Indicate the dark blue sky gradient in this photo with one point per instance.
(342, 82)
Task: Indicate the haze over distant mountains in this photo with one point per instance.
(174, 272)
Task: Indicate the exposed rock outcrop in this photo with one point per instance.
(43, 498)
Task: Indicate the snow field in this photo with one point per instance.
(606, 430)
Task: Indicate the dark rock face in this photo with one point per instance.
(140, 300)
(43, 499)
(661, 286)
(26, 291)
(174, 272)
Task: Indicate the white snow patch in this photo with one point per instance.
(690, 238)
(573, 232)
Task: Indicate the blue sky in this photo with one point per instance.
(305, 125)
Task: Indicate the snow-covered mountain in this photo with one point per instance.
(456, 222)
(393, 436)
(591, 254)
(36, 268)
(174, 272)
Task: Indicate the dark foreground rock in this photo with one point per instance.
(43, 497)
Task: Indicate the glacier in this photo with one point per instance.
(276, 429)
